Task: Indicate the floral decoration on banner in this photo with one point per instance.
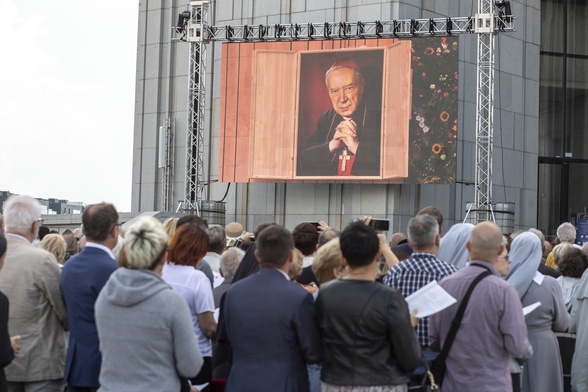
(434, 126)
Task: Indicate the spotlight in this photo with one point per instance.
(183, 20)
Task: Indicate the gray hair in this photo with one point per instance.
(327, 235)
(422, 231)
(217, 239)
(20, 212)
(559, 250)
(566, 232)
(145, 243)
(230, 260)
(539, 234)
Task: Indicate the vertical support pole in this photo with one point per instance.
(484, 111)
(196, 100)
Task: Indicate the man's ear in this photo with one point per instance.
(469, 246)
(378, 256)
(344, 262)
(502, 249)
(437, 240)
(256, 253)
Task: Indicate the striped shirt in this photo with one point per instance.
(412, 274)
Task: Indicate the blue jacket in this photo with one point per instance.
(82, 278)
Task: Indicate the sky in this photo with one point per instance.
(67, 96)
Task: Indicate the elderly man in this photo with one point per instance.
(346, 141)
(229, 262)
(83, 277)
(217, 240)
(30, 280)
(493, 326)
(566, 232)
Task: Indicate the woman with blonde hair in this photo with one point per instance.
(146, 335)
(55, 244)
(170, 226)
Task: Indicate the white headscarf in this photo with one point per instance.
(453, 249)
(525, 255)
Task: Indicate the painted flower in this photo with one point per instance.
(444, 116)
(436, 148)
(426, 129)
(429, 51)
(432, 87)
(443, 156)
(420, 119)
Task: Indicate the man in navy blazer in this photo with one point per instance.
(271, 322)
(82, 278)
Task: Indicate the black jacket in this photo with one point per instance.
(366, 333)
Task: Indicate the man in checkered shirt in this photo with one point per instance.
(421, 268)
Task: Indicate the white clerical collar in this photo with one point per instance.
(100, 246)
(538, 278)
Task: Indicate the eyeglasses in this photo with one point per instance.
(506, 258)
(40, 220)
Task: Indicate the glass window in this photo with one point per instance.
(552, 26)
(549, 198)
(577, 107)
(551, 106)
(578, 188)
(577, 30)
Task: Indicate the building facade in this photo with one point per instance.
(538, 82)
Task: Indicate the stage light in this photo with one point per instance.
(182, 20)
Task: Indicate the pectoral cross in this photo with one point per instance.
(343, 157)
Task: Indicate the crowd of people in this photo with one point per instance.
(184, 306)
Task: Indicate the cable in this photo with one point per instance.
(226, 193)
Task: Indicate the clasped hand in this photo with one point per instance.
(345, 135)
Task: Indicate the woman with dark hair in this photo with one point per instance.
(572, 265)
(8, 346)
(187, 248)
(369, 343)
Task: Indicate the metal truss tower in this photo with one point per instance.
(194, 28)
(197, 23)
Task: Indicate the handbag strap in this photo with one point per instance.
(460, 311)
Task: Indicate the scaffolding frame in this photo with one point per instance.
(194, 28)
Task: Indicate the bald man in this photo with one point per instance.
(493, 326)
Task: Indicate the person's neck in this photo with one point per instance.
(433, 250)
(367, 272)
(29, 236)
(107, 243)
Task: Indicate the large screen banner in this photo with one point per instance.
(367, 111)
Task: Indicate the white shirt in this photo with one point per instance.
(100, 246)
(194, 286)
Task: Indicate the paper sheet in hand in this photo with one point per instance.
(530, 308)
(429, 300)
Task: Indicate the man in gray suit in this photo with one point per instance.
(30, 280)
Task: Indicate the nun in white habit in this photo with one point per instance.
(543, 371)
(579, 326)
(452, 249)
